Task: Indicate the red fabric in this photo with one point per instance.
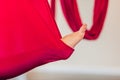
(72, 16)
(71, 13)
(53, 2)
(29, 37)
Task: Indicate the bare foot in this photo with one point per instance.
(73, 39)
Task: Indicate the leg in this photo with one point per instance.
(74, 38)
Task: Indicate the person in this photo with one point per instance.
(74, 38)
(29, 37)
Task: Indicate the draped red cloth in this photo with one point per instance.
(53, 2)
(71, 13)
(29, 37)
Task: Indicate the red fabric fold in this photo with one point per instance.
(53, 2)
(73, 18)
(71, 13)
(29, 37)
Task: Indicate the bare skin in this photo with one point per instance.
(74, 38)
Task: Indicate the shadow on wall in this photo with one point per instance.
(72, 73)
(65, 76)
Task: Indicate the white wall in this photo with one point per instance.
(101, 53)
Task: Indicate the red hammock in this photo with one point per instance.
(29, 37)
(70, 10)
